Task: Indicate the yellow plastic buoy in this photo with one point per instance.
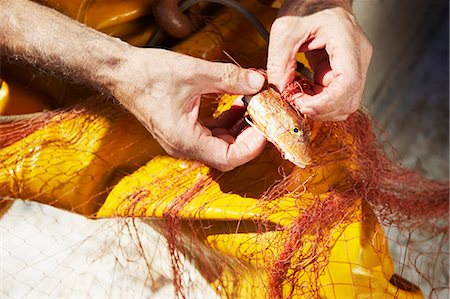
(4, 96)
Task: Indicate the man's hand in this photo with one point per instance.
(336, 47)
(162, 89)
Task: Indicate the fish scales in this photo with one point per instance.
(281, 124)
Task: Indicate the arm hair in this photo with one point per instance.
(45, 38)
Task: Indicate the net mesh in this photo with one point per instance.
(93, 207)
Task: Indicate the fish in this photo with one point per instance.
(281, 124)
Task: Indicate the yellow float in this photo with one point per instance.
(98, 160)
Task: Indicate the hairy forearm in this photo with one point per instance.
(161, 88)
(43, 37)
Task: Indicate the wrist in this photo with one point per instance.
(144, 72)
(111, 67)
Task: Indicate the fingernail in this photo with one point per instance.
(280, 85)
(255, 80)
(308, 111)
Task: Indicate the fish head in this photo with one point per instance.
(282, 125)
(293, 142)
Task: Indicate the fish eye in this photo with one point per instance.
(295, 130)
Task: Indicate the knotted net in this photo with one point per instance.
(353, 223)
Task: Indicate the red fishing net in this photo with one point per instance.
(267, 216)
(92, 206)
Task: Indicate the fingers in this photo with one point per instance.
(320, 63)
(339, 118)
(228, 78)
(338, 97)
(342, 91)
(167, 101)
(328, 110)
(283, 46)
(339, 83)
(337, 50)
(182, 135)
(221, 151)
(226, 156)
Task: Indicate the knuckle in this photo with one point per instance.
(332, 103)
(227, 163)
(219, 164)
(274, 73)
(356, 83)
(349, 109)
(342, 117)
(369, 48)
(173, 147)
(224, 167)
(281, 31)
(352, 105)
(279, 26)
(230, 74)
(171, 151)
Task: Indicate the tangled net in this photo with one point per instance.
(288, 225)
(266, 229)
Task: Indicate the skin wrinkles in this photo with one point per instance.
(336, 47)
(149, 83)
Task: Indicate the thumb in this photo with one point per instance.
(228, 78)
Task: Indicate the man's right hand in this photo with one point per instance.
(163, 90)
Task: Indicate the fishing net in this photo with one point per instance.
(93, 207)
